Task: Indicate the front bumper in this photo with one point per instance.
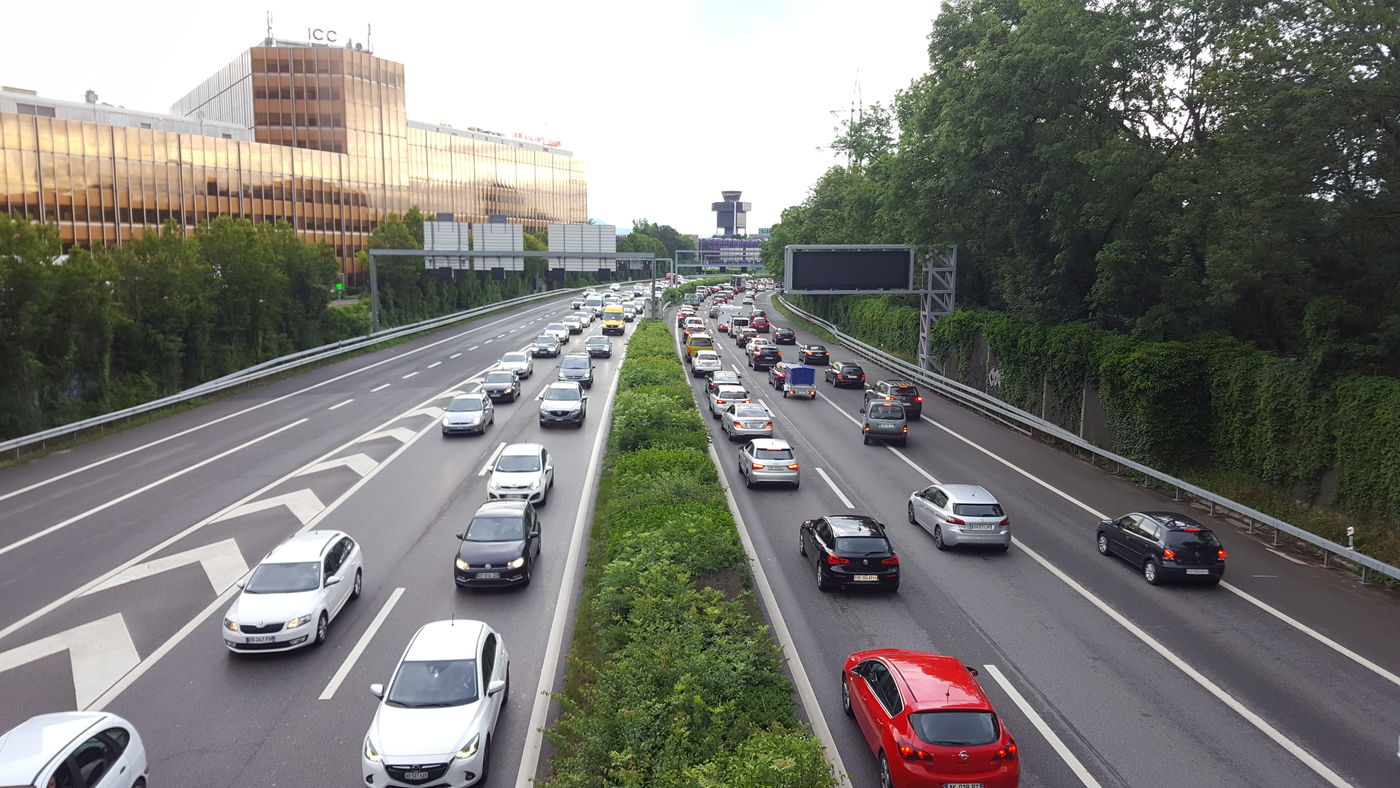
(282, 640)
(499, 394)
(482, 577)
(450, 773)
(572, 417)
(464, 429)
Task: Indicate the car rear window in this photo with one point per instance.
(906, 391)
(956, 728)
(886, 411)
(862, 545)
(773, 454)
(978, 509)
(1196, 540)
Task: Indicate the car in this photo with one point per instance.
(559, 331)
(577, 367)
(927, 721)
(585, 318)
(744, 336)
(777, 374)
(1164, 546)
(849, 550)
(522, 364)
(884, 421)
(784, 336)
(468, 413)
(737, 324)
(573, 324)
(722, 326)
(844, 373)
(545, 345)
(747, 420)
(563, 403)
(714, 312)
(499, 546)
(748, 301)
(960, 514)
(294, 593)
(769, 461)
(722, 377)
(760, 324)
(905, 392)
(696, 341)
(93, 749)
(765, 357)
(435, 721)
(725, 396)
(598, 346)
(576, 302)
(813, 354)
(501, 384)
(692, 325)
(757, 313)
(522, 471)
(706, 362)
(629, 313)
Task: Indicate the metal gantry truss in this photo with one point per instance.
(937, 280)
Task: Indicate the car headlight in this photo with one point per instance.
(231, 626)
(469, 750)
(300, 621)
(463, 565)
(495, 485)
(370, 753)
(535, 485)
(517, 563)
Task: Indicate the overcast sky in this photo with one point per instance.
(667, 102)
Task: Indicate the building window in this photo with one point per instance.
(31, 109)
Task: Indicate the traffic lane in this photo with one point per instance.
(405, 521)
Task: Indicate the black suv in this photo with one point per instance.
(850, 550)
(766, 357)
(813, 354)
(902, 391)
(845, 373)
(1165, 546)
(784, 336)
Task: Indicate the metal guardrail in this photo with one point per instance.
(981, 401)
(273, 367)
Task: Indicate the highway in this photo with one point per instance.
(1286, 674)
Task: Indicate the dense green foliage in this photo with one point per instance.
(674, 680)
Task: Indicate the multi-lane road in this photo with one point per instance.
(118, 558)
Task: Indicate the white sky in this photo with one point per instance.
(667, 102)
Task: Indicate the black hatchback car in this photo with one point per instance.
(849, 550)
(1164, 546)
(500, 545)
(784, 336)
(845, 373)
(765, 357)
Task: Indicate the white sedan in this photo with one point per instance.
(294, 594)
(724, 396)
(435, 721)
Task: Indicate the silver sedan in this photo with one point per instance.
(769, 461)
(747, 420)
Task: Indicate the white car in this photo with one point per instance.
(294, 593)
(434, 723)
(559, 331)
(519, 363)
(724, 396)
(574, 323)
(706, 362)
(93, 749)
(522, 471)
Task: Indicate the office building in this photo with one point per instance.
(731, 215)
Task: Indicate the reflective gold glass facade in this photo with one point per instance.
(334, 153)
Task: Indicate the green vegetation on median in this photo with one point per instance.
(673, 680)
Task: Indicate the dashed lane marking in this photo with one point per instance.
(341, 404)
(380, 387)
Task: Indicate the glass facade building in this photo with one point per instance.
(317, 136)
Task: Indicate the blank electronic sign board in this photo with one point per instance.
(849, 269)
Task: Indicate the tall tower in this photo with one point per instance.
(731, 216)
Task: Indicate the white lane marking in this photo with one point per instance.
(1314, 634)
(452, 393)
(503, 336)
(489, 341)
(380, 388)
(222, 562)
(780, 629)
(303, 504)
(913, 465)
(491, 461)
(454, 355)
(434, 364)
(473, 347)
(273, 401)
(1300, 626)
(359, 463)
(100, 653)
(835, 489)
(400, 434)
(839, 409)
(361, 645)
(341, 404)
(534, 739)
(431, 412)
(409, 375)
(1288, 557)
(1038, 721)
(1229, 700)
(158, 482)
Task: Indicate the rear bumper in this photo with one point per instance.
(770, 476)
(1184, 573)
(955, 536)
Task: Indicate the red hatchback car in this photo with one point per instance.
(928, 721)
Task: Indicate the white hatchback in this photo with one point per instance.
(434, 723)
(706, 362)
(88, 748)
(292, 596)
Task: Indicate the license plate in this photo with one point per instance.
(415, 775)
(259, 638)
(488, 575)
(979, 527)
(962, 785)
(1197, 571)
(865, 578)
(885, 427)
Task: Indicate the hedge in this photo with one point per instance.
(673, 678)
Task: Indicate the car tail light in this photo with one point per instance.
(1005, 521)
(1168, 553)
(906, 428)
(892, 560)
(758, 466)
(1220, 554)
(1191, 530)
(768, 426)
(720, 402)
(832, 560)
(862, 377)
(909, 752)
(918, 399)
(794, 466)
(1007, 753)
(867, 428)
(956, 521)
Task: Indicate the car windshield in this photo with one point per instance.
(563, 394)
(496, 529)
(977, 509)
(544, 339)
(461, 404)
(554, 326)
(883, 411)
(434, 683)
(597, 341)
(513, 358)
(862, 545)
(955, 728)
(576, 363)
(284, 578)
(500, 377)
(518, 463)
(773, 454)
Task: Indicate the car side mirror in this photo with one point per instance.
(240, 584)
(377, 690)
(495, 687)
(460, 537)
(862, 410)
(332, 581)
(973, 670)
(585, 397)
(806, 522)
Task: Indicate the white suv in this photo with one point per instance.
(434, 723)
(291, 597)
(72, 748)
(524, 472)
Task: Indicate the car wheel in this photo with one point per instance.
(542, 424)
(796, 485)
(801, 545)
(1103, 544)
(1150, 572)
(485, 763)
(893, 587)
(886, 781)
(529, 570)
(865, 439)
(322, 626)
(544, 498)
(938, 538)
(912, 519)
(903, 441)
(1001, 548)
(846, 697)
(823, 584)
(359, 584)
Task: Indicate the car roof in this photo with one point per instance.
(502, 507)
(968, 493)
(898, 382)
(854, 525)
(847, 363)
(1175, 521)
(935, 680)
(770, 443)
(440, 640)
(523, 449)
(305, 546)
(576, 354)
(476, 395)
(597, 338)
(520, 354)
(815, 345)
(563, 384)
(728, 387)
(29, 746)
